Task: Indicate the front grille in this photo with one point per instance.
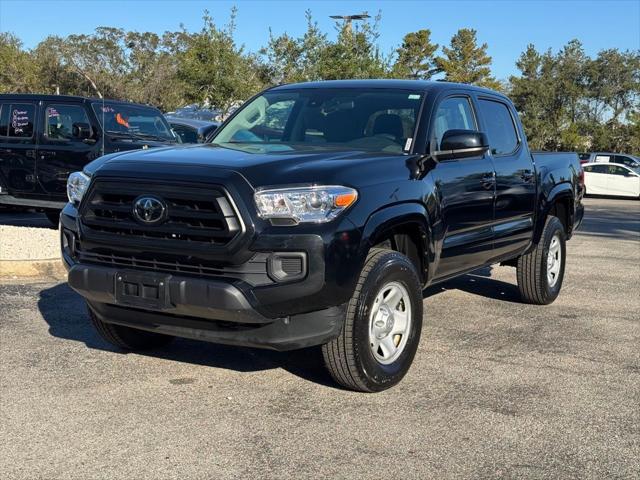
(253, 272)
(199, 217)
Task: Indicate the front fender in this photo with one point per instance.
(409, 214)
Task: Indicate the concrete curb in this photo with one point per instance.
(48, 268)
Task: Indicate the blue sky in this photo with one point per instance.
(507, 26)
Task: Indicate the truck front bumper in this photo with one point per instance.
(210, 310)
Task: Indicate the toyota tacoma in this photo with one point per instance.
(316, 216)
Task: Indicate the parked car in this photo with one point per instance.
(622, 158)
(43, 138)
(612, 179)
(316, 216)
(192, 131)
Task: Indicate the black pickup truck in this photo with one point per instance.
(43, 138)
(317, 216)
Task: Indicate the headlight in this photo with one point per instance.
(315, 204)
(77, 184)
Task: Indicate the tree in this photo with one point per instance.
(291, 59)
(466, 62)
(215, 71)
(18, 72)
(416, 56)
(355, 54)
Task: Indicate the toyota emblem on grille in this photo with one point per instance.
(149, 210)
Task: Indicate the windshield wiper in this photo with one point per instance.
(138, 136)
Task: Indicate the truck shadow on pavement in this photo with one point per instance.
(66, 314)
(478, 282)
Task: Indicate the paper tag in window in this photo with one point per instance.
(414, 96)
(407, 144)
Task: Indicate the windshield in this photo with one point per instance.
(357, 119)
(133, 121)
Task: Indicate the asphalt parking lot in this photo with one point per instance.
(498, 389)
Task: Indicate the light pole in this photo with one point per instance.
(350, 18)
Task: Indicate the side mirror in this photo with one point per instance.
(81, 131)
(462, 144)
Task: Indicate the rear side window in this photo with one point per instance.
(60, 119)
(453, 114)
(597, 168)
(501, 130)
(629, 162)
(21, 116)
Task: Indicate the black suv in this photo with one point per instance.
(316, 217)
(43, 138)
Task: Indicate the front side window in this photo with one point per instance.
(59, 120)
(618, 170)
(21, 118)
(453, 114)
(503, 138)
(186, 134)
(134, 121)
(323, 119)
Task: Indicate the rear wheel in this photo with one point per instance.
(541, 272)
(382, 327)
(128, 338)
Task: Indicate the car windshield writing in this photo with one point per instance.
(355, 119)
(133, 120)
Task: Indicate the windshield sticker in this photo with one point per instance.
(107, 109)
(122, 120)
(414, 96)
(53, 112)
(407, 144)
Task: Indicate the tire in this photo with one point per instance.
(53, 216)
(535, 285)
(350, 358)
(128, 338)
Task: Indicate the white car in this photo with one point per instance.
(611, 179)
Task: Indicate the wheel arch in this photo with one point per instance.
(560, 202)
(404, 228)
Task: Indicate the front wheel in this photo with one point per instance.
(541, 271)
(382, 327)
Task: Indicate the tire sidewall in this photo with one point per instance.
(391, 267)
(554, 227)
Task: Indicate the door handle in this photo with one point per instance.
(527, 175)
(488, 180)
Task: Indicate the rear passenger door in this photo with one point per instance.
(60, 152)
(595, 178)
(18, 146)
(515, 176)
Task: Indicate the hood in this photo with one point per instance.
(260, 168)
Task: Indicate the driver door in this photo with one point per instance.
(466, 191)
(60, 152)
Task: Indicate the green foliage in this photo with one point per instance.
(214, 70)
(566, 99)
(416, 57)
(466, 62)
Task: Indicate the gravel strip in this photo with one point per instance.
(28, 243)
